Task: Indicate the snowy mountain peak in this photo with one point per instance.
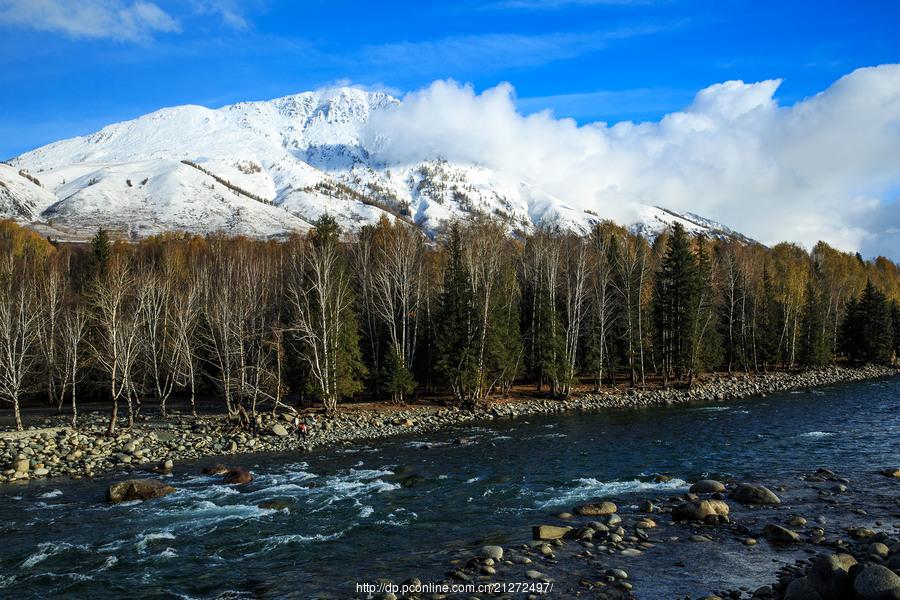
(266, 168)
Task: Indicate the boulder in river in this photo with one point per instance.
(237, 477)
(779, 535)
(892, 472)
(861, 533)
(549, 532)
(411, 480)
(875, 582)
(163, 468)
(274, 505)
(698, 510)
(707, 486)
(595, 509)
(215, 470)
(797, 521)
(747, 493)
(137, 489)
(494, 552)
(830, 577)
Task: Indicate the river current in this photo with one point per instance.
(406, 506)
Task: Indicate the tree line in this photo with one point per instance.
(387, 313)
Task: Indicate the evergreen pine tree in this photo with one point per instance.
(674, 310)
(877, 329)
(895, 322)
(767, 330)
(99, 250)
(813, 344)
(594, 351)
(851, 343)
(867, 331)
(456, 356)
(708, 348)
(549, 354)
(396, 379)
(350, 370)
(504, 350)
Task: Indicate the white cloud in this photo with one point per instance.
(498, 51)
(228, 10)
(823, 168)
(114, 19)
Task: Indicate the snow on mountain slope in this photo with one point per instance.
(270, 167)
(654, 219)
(21, 194)
(148, 197)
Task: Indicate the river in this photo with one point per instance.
(408, 505)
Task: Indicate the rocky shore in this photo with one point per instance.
(152, 444)
(589, 552)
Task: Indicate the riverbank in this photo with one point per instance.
(56, 450)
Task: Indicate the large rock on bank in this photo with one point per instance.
(699, 510)
(747, 493)
(830, 577)
(137, 489)
(549, 532)
(801, 589)
(877, 583)
(780, 535)
(595, 509)
(707, 486)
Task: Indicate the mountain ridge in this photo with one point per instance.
(267, 168)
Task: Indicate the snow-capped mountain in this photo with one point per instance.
(266, 169)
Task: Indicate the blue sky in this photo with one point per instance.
(68, 68)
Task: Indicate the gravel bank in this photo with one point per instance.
(156, 444)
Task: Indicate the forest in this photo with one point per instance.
(386, 313)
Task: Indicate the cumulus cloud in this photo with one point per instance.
(113, 19)
(823, 168)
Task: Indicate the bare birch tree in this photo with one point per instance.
(601, 296)
(117, 326)
(397, 285)
(157, 340)
(575, 263)
(73, 329)
(19, 325)
(51, 288)
(322, 320)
